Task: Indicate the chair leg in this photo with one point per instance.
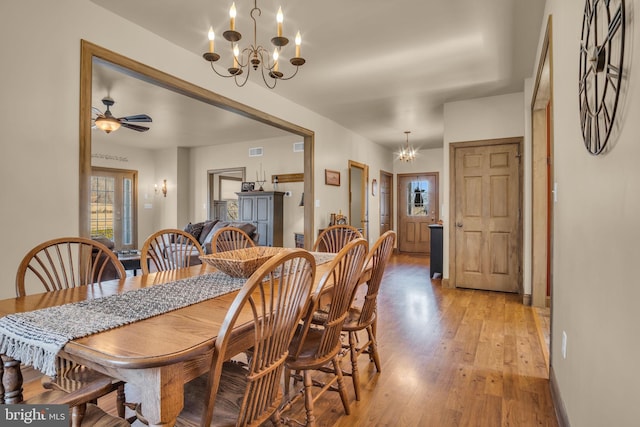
(77, 414)
(308, 399)
(373, 348)
(355, 374)
(341, 387)
(120, 400)
(287, 381)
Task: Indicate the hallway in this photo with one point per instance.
(450, 357)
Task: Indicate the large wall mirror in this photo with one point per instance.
(100, 65)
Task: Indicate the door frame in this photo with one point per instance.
(212, 187)
(389, 175)
(134, 204)
(542, 176)
(364, 213)
(452, 200)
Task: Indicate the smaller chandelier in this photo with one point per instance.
(255, 56)
(407, 152)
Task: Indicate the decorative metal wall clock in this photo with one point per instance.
(601, 60)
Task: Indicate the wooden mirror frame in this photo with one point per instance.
(89, 51)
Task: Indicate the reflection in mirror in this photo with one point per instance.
(184, 116)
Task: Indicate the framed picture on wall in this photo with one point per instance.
(248, 186)
(331, 177)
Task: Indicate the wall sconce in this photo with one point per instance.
(163, 188)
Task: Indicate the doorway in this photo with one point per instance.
(358, 206)
(91, 53)
(386, 201)
(223, 186)
(113, 206)
(486, 236)
(417, 209)
(542, 173)
(542, 179)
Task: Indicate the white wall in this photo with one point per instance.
(595, 290)
(39, 153)
(473, 120)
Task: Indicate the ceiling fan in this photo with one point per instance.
(108, 123)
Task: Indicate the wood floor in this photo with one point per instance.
(450, 357)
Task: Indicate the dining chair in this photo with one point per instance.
(62, 263)
(335, 237)
(66, 262)
(273, 299)
(230, 239)
(91, 414)
(169, 249)
(314, 348)
(364, 316)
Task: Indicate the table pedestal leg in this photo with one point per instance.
(162, 394)
(11, 389)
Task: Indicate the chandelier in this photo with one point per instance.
(254, 56)
(407, 152)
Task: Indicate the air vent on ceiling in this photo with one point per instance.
(298, 147)
(256, 152)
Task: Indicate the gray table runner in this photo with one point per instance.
(36, 337)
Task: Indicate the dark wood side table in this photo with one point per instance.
(435, 265)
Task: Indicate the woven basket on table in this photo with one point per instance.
(241, 262)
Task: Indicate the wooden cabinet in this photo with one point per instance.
(264, 210)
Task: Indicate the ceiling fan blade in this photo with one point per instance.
(134, 127)
(136, 118)
(96, 111)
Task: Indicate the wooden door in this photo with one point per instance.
(417, 209)
(487, 217)
(386, 202)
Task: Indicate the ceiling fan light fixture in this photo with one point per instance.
(107, 124)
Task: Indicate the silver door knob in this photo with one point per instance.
(458, 224)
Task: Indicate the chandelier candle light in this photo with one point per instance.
(407, 152)
(255, 56)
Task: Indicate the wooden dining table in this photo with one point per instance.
(157, 355)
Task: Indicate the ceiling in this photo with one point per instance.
(178, 121)
(377, 67)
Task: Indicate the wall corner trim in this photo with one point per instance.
(558, 404)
